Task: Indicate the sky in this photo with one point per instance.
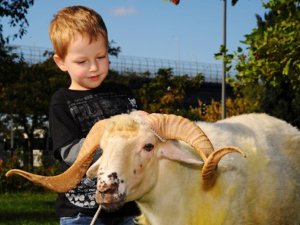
(190, 31)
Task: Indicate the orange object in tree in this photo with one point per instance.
(176, 2)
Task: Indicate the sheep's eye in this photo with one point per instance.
(148, 147)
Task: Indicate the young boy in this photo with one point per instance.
(80, 42)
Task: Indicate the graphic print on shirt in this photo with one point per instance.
(84, 194)
(88, 110)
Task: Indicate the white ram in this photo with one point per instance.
(142, 161)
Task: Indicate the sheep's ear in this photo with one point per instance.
(171, 151)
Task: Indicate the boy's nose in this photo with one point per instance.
(94, 67)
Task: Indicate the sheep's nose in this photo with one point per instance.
(108, 185)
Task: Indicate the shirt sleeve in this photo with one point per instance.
(64, 131)
(69, 152)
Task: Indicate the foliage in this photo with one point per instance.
(112, 49)
(270, 71)
(15, 11)
(28, 208)
(165, 93)
(17, 183)
(25, 94)
(234, 107)
(10, 66)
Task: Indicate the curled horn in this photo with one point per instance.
(176, 127)
(72, 176)
(211, 163)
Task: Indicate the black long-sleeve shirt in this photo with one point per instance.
(72, 113)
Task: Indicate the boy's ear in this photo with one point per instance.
(59, 62)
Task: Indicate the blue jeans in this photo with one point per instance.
(82, 219)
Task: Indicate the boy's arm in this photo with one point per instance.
(69, 152)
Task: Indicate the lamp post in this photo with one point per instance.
(223, 94)
(11, 124)
(224, 61)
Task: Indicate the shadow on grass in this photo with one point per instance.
(28, 218)
(27, 209)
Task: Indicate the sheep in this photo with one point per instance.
(170, 167)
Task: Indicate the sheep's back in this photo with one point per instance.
(266, 182)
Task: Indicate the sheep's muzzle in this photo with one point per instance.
(108, 192)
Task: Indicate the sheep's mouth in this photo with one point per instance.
(112, 206)
(110, 202)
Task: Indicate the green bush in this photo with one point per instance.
(17, 183)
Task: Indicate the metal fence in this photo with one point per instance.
(129, 64)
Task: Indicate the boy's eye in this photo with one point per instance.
(80, 62)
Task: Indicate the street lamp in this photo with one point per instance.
(224, 61)
(223, 94)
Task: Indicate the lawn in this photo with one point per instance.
(28, 209)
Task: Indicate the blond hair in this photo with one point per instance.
(74, 20)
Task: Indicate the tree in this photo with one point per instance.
(166, 93)
(268, 73)
(10, 64)
(15, 11)
(25, 99)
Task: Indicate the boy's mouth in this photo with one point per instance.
(94, 78)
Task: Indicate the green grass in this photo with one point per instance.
(28, 209)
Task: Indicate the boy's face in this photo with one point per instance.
(87, 63)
